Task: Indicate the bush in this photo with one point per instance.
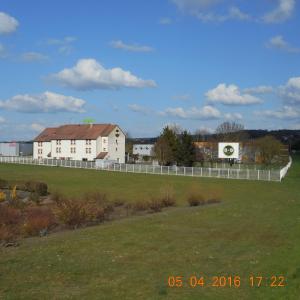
(140, 206)
(118, 202)
(2, 196)
(8, 234)
(40, 188)
(9, 215)
(38, 221)
(34, 197)
(71, 212)
(155, 205)
(95, 197)
(167, 196)
(56, 197)
(196, 200)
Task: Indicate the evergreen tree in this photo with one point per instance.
(186, 153)
(165, 148)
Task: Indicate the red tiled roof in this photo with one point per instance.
(75, 132)
(101, 155)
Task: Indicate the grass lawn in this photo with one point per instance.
(254, 231)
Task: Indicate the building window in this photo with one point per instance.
(88, 150)
(40, 144)
(104, 141)
(104, 149)
(88, 142)
(73, 142)
(40, 151)
(58, 142)
(116, 149)
(117, 142)
(58, 150)
(73, 150)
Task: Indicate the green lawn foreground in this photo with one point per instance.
(254, 231)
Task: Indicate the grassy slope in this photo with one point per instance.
(254, 231)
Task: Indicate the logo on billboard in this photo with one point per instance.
(228, 150)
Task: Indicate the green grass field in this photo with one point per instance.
(254, 231)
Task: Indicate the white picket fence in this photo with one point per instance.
(230, 173)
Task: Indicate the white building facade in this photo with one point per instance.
(81, 142)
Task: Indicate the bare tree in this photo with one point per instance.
(231, 131)
(201, 135)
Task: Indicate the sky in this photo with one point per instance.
(148, 64)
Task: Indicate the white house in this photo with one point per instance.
(81, 142)
(143, 149)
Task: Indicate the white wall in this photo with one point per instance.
(46, 148)
(116, 146)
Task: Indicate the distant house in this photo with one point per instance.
(143, 151)
(89, 142)
(16, 148)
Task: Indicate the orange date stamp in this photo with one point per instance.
(255, 281)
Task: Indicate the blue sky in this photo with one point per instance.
(145, 64)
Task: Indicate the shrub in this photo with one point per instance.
(38, 221)
(96, 197)
(2, 196)
(56, 197)
(155, 205)
(167, 196)
(9, 215)
(95, 213)
(196, 200)
(71, 212)
(140, 206)
(3, 184)
(118, 202)
(34, 197)
(8, 234)
(40, 188)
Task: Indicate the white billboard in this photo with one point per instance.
(229, 150)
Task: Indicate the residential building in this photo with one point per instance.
(81, 142)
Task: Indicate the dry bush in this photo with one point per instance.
(96, 197)
(40, 188)
(38, 221)
(2, 196)
(34, 197)
(155, 205)
(140, 206)
(8, 234)
(71, 212)
(196, 199)
(9, 215)
(119, 202)
(167, 196)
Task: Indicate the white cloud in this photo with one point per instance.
(194, 6)
(64, 44)
(230, 95)
(139, 109)
(287, 112)
(43, 103)
(282, 12)
(233, 116)
(8, 24)
(278, 42)
(88, 74)
(33, 57)
(205, 113)
(37, 127)
(165, 21)
(290, 92)
(2, 120)
(200, 9)
(261, 89)
(132, 48)
(63, 41)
